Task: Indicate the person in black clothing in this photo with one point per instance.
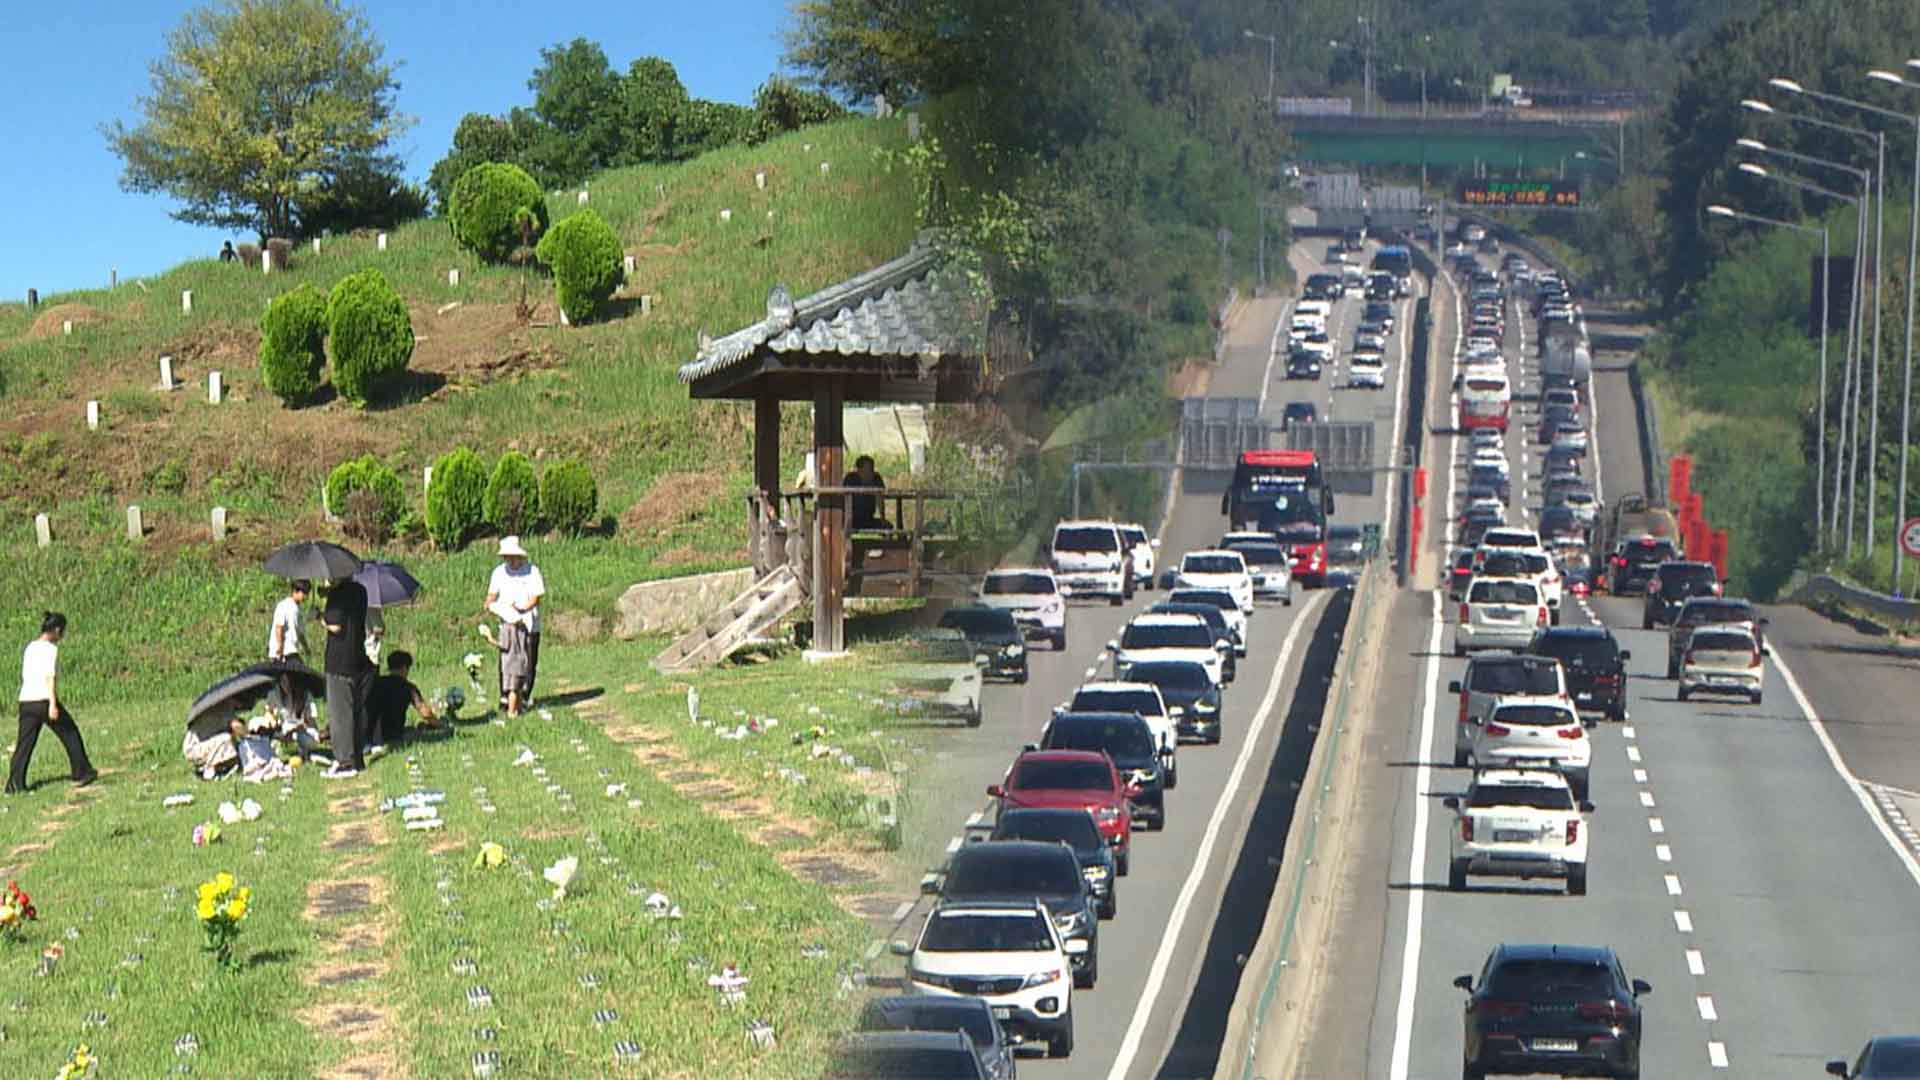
(348, 673)
(392, 695)
(227, 254)
(864, 509)
(40, 706)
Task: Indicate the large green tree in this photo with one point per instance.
(261, 106)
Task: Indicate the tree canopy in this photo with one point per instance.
(264, 114)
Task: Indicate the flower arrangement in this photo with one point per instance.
(560, 875)
(222, 908)
(16, 911)
(82, 1064)
(491, 855)
(206, 833)
(471, 662)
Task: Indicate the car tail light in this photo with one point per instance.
(1498, 730)
(1542, 619)
(1506, 1009)
(1754, 660)
(1463, 706)
(1604, 1012)
(1620, 560)
(1466, 613)
(1573, 831)
(1466, 829)
(1605, 680)
(1573, 732)
(1686, 658)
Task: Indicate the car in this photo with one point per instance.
(970, 1017)
(1513, 537)
(1217, 568)
(1564, 1009)
(1594, 664)
(1167, 637)
(1495, 675)
(1459, 573)
(1140, 698)
(908, 1055)
(1091, 559)
(1317, 343)
(1367, 369)
(1565, 397)
(1075, 779)
(1518, 822)
(1073, 827)
(1633, 561)
(1710, 611)
(1143, 549)
(943, 677)
(1045, 871)
(1487, 438)
(1480, 517)
(1497, 482)
(1579, 501)
(1271, 566)
(1488, 457)
(1193, 698)
(1321, 287)
(1229, 606)
(1525, 564)
(1723, 660)
(1536, 729)
(1008, 954)
(1303, 364)
(1673, 584)
(1552, 419)
(1560, 522)
(1571, 435)
(1354, 282)
(1380, 311)
(1033, 597)
(1370, 335)
(1129, 742)
(1382, 287)
(1499, 613)
(993, 633)
(1885, 1057)
(1215, 620)
(1299, 412)
(1563, 461)
(1576, 569)
(1482, 340)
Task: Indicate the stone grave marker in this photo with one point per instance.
(266, 260)
(33, 299)
(628, 265)
(113, 278)
(66, 327)
(453, 277)
(135, 528)
(913, 127)
(603, 1017)
(479, 997)
(581, 199)
(646, 303)
(760, 179)
(486, 1063)
(219, 523)
(213, 388)
(626, 1053)
(316, 245)
(186, 301)
(380, 242)
(93, 416)
(166, 373)
(726, 215)
(826, 167)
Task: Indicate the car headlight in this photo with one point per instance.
(1013, 650)
(1140, 776)
(1070, 922)
(1095, 873)
(1107, 814)
(1206, 706)
(1041, 978)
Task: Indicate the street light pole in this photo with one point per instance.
(1826, 298)
(1906, 379)
(1272, 41)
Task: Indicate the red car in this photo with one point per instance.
(1074, 779)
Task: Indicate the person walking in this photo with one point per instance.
(517, 587)
(40, 707)
(348, 675)
(286, 639)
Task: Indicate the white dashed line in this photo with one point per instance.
(1091, 672)
(1717, 1054)
(1704, 1002)
(1663, 852)
(954, 845)
(976, 818)
(1683, 922)
(901, 912)
(1633, 753)
(1656, 825)
(1639, 776)
(1673, 884)
(1627, 732)
(1696, 963)
(1646, 799)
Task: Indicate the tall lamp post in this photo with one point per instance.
(1906, 379)
(1272, 44)
(1819, 468)
(1851, 375)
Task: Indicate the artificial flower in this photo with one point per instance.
(561, 875)
(491, 855)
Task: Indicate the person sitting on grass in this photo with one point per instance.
(253, 743)
(392, 695)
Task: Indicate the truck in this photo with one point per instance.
(1635, 538)
(1566, 356)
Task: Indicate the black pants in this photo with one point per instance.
(33, 717)
(347, 718)
(533, 672)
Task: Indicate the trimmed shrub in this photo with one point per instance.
(586, 258)
(780, 106)
(513, 495)
(569, 496)
(369, 334)
(293, 337)
(456, 501)
(487, 204)
(367, 496)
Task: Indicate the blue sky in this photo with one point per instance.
(76, 64)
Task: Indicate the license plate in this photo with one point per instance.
(1556, 1046)
(1511, 836)
(1585, 695)
(1002, 1012)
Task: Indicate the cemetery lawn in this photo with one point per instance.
(356, 947)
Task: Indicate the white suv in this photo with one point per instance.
(1168, 637)
(1034, 598)
(1536, 729)
(1367, 368)
(1519, 822)
(1499, 613)
(1492, 676)
(1091, 559)
(1008, 954)
(1217, 569)
(1143, 547)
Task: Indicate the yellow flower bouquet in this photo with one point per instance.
(222, 907)
(80, 1065)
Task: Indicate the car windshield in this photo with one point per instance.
(1219, 598)
(1722, 641)
(1048, 775)
(925, 1063)
(1207, 613)
(1895, 1059)
(1180, 635)
(1531, 980)
(1015, 932)
(1656, 552)
(1086, 538)
(1123, 741)
(1262, 554)
(1533, 715)
(1133, 536)
(1073, 827)
(1505, 565)
(1516, 676)
(1019, 585)
(1719, 611)
(978, 870)
(1289, 510)
(1185, 675)
(1211, 564)
(1133, 701)
(1536, 796)
(1678, 581)
(980, 622)
(1504, 592)
(930, 1014)
(1590, 653)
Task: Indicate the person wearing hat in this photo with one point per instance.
(514, 593)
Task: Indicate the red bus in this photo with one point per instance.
(1284, 492)
(1485, 399)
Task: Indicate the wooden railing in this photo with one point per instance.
(925, 543)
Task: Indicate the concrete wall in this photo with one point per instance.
(676, 605)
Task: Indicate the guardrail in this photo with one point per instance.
(1826, 587)
(1653, 458)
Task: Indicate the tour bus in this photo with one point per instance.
(1283, 492)
(1485, 398)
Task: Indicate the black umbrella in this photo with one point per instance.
(244, 688)
(317, 560)
(387, 584)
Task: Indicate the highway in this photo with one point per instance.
(1198, 889)
(1734, 864)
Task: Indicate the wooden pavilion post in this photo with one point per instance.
(830, 522)
(768, 544)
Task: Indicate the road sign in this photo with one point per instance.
(1540, 193)
(1910, 537)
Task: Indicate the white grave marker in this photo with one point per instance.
(93, 416)
(135, 528)
(266, 260)
(760, 179)
(316, 245)
(726, 215)
(42, 530)
(381, 242)
(826, 167)
(629, 265)
(426, 478)
(646, 303)
(563, 318)
(219, 523)
(186, 301)
(66, 327)
(581, 198)
(213, 388)
(453, 277)
(166, 373)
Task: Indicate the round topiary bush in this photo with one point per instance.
(368, 496)
(586, 258)
(293, 337)
(487, 204)
(369, 334)
(569, 496)
(456, 500)
(513, 495)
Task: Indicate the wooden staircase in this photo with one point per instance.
(749, 615)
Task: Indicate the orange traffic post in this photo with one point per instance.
(1419, 485)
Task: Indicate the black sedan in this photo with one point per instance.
(971, 1016)
(1076, 829)
(992, 633)
(1303, 364)
(1563, 1009)
(1885, 1057)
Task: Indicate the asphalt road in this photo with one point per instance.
(1199, 888)
(1733, 866)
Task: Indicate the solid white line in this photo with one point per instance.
(1704, 1002)
(1717, 1054)
(1633, 753)
(1839, 766)
(901, 912)
(1639, 776)
(956, 843)
(1417, 859)
(1177, 918)
(1673, 884)
(1683, 922)
(1646, 799)
(1663, 852)
(1628, 733)
(976, 818)
(1656, 825)
(1696, 963)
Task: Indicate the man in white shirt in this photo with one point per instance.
(286, 640)
(517, 588)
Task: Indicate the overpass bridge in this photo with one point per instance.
(1502, 139)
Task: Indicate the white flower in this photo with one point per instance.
(561, 875)
(229, 814)
(250, 810)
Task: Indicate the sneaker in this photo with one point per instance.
(376, 750)
(83, 781)
(335, 772)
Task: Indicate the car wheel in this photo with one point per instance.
(1470, 1071)
(1214, 739)
(1556, 616)
(1111, 905)
(1646, 623)
(1681, 693)
(1173, 778)
(1459, 650)
(974, 717)
(1459, 757)
(1060, 1043)
(1287, 600)
(1756, 699)
(1577, 880)
(1160, 819)
(1086, 976)
(1121, 862)
(1060, 640)
(1117, 599)
(1022, 677)
(1457, 876)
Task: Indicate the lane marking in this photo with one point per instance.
(1663, 852)
(1696, 963)
(1633, 753)
(976, 818)
(1628, 732)
(1673, 884)
(1717, 1054)
(1646, 799)
(1656, 825)
(1417, 857)
(905, 909)
(955, 844)
(1639, 775)
(1704, 1002)
(1683, 922)
(1182, 904)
